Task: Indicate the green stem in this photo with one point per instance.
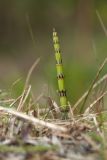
(60, 75)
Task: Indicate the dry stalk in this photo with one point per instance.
(85, 94)
(32, 119)
(101, 22)
(30, 71)
(15, 82)
(93, 82)
(23, 99)
(92, 104)
(26, 91)
(37, 99)
(30, 30)
(15, 101)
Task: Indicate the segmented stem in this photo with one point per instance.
(60, 75)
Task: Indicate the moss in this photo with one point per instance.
(24, 149)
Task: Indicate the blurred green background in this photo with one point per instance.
(83, 43)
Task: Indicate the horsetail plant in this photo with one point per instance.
(60, 74)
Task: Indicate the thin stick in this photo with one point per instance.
(85, 94)
(33, 120)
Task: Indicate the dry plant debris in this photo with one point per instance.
(28, 141)
(29, 131)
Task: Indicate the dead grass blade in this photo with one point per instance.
(97, 125)
(32, 119)
(37, 99)
(26, 91)
(101, 22)
(23, 99)
(85, 94)
(30, 30)
(15, 82)
(30, 72)
(6, 101)
(94, 81)
(53, 107)
(92, 104)
(15, 101)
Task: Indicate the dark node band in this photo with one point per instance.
(60, 76)
(64, 110)
(62, 93)
(57, 50)
(59, 62)
(56, 41)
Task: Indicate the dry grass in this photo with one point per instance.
(84, 134)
